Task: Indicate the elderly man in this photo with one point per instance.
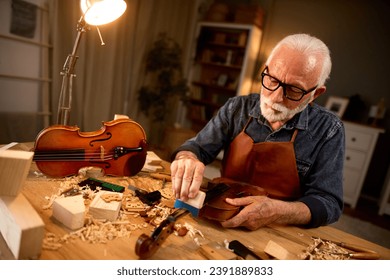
(279, 140)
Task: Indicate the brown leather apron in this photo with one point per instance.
(270, 165)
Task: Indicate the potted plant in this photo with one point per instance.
(164, 82)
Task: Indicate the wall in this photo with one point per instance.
(23, 74)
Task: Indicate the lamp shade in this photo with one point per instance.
(98, 12)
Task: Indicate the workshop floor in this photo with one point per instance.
(367, 210)
(364, 221)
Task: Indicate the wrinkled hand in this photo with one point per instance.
(187, 175)
(258, 211)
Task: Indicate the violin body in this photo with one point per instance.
(218, 209)
(119, 148)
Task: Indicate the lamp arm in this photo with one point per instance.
(65, 99)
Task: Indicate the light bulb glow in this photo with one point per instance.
(99, 12)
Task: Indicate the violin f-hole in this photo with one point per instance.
(101, 140)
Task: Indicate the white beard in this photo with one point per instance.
(282, 113)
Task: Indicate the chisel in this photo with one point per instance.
(242, 251)
(148, 198)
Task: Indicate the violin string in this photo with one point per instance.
(72, 156)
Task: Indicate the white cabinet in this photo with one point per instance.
(385, 197)
(360, 141)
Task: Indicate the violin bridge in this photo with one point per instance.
(101, 153)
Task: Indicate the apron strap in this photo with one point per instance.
(294, 135)
(247, 123)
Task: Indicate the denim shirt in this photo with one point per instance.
(319, 149)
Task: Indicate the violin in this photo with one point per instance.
(119, 148)
(216, 208)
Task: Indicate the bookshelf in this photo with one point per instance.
(223, 65)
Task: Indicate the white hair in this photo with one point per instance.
(308, 46)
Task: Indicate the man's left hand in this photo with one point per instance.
(258, 211)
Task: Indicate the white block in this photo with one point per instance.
(101, 209)
(70, 211)
(21, 226)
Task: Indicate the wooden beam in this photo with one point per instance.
(21, 226)
(14, 167)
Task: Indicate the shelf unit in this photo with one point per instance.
(223, 65)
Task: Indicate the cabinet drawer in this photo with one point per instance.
(357, 140)
(354, 159)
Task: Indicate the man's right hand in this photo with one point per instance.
(187, 175)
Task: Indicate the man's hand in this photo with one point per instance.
(260, 211)
(187, 175)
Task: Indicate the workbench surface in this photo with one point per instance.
(38, 189)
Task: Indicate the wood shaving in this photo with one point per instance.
(66, 185)
(158, 214)
(325, 250)
(108, 197)
(191, 231)
(50, 201)
(226, 245)
(95, 231)
(131, 203)
(51, 242)
(102, 231)
(167, 193)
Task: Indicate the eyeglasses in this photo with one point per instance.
(290, 92)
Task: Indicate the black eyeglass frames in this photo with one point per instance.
(290, 92)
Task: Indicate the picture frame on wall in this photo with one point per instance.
(337, 105)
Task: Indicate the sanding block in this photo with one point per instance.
(193, 205)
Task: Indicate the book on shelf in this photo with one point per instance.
(197, 112)
(196, 92)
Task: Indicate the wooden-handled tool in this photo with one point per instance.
(242, 251)
(359, 252)
(150, 198)
(161, 176)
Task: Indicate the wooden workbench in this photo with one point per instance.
(296, 240)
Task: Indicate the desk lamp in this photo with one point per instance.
(95, 12)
